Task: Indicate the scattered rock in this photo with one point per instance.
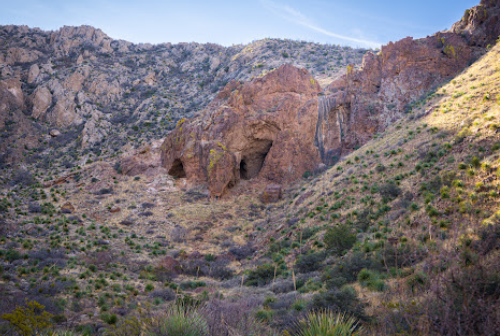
(272, 193)
(67, 208)
(115, 209)
(54, 133)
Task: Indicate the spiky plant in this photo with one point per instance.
(327, 323)
(181, 321)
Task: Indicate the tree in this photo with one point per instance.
(30, 320)
(339, 239)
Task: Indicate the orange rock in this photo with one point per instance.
(261, 129)
(67, 208)
(115, 209)
(272, 193)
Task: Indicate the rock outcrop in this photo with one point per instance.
(367, 100)
(263, 128)
(282, 125)
(480, 25)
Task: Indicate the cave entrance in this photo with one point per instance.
(177, 169)
(252, 161)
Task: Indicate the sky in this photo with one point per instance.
(355, 23)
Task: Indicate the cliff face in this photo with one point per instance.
(106, 96)
(366, 101)
(278, 127)
(264, 128)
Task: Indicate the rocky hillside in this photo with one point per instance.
(396, 233)
(394, 222)
(98, 94)
(281, 126)
(414, 213)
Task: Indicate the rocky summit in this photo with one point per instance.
(276, 188)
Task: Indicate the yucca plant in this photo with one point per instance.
(327, 323)
(181, 321)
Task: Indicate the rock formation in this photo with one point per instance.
(263, 128)
(96, 89)
(282, 125)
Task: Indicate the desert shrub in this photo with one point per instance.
(310, 262)
(389, 191)
(347, 269)
(327, 323)
(308, 232)
(180, 321)
(12, 255)
(340, 300)
(220, 272)
(371, 280)
(129, 326)
(109, 318)
(164, 294)
(406, 254)
(242, 252)
(262, 275)
(467, 301)
(339, 239)
(29, 320)
(34, 208)
(22, 177)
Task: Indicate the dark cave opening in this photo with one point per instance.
(251, 162)
(177, 169)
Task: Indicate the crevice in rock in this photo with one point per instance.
(252, 161)
(177, 169)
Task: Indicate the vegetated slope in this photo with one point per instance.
(93, 247)
(102, 94)
(414, 214)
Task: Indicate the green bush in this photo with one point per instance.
(262, 275)
(109, 319)
(12, 255)
(339, 239)
(389, 191)
(310, 262)
(340, 300)
(29, 320)
(476, 162)
(371, 280)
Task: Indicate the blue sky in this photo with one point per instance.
(358, 23)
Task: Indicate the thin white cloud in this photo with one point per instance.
(298, 18)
